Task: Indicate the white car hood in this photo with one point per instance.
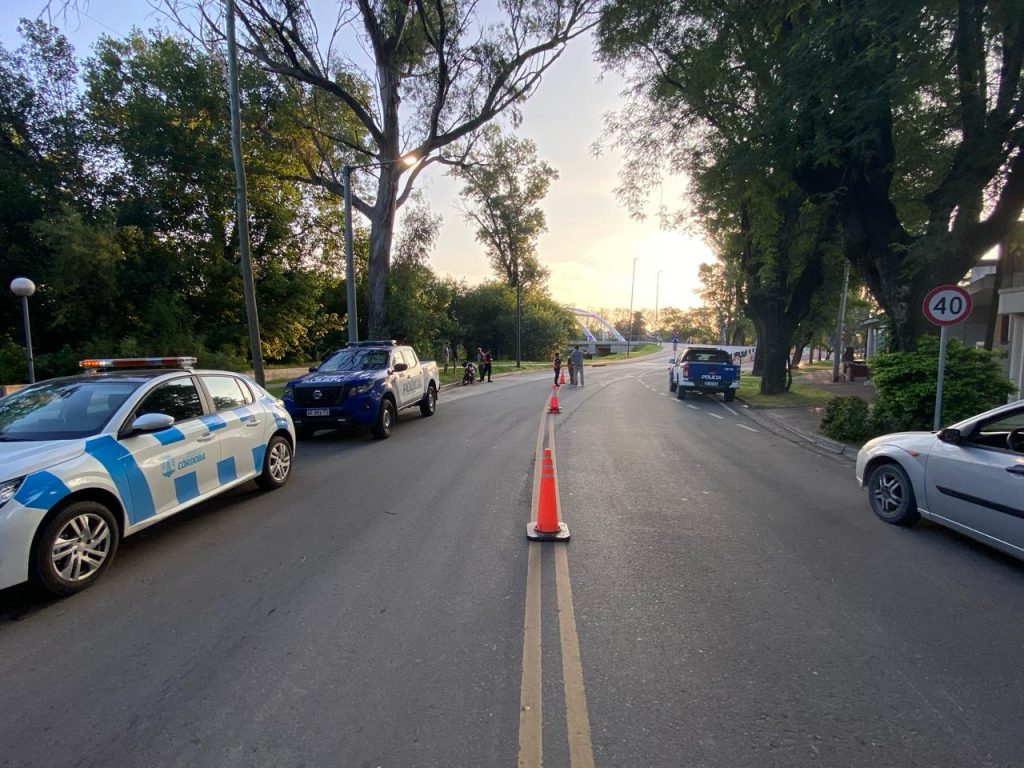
(18, 459)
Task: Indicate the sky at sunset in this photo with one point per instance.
(591, 241)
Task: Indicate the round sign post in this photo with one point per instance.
(945, 306)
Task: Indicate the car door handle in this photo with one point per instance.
(1016, 469)
(252, 422)
(205, 438)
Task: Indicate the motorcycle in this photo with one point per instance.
(468, 373)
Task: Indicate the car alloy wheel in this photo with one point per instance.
(891, 494)
(277, 463)
(75, 547)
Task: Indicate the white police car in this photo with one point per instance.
(86, 460)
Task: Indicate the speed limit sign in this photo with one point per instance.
(947, 305)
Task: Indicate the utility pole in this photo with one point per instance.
(632, 285)
(839, 324)
(241, 200)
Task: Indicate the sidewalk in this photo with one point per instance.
(804, 422)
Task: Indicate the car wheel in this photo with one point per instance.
(75, 548)
(681, 393)
(891, 495)
(671, 384)
(429, 403)
(277, 464)
(730, 395)
(385, 420)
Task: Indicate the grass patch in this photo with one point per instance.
(799, 396)
(646, 348)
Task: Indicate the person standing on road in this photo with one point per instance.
(487, 365)
(480, 362)
(576, 365)
(557, 366)
(572, 369)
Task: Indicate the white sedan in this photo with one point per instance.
(87, 460)
(969, 476)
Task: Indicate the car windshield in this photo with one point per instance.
(62, 410)
(356, 360)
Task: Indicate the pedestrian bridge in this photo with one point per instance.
(598, 336)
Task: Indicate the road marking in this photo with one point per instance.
(581, 753)
(744, 426)
(531, 747)
(730, 410)
(716, 415)
(692, 406)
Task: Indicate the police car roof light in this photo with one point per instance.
(371, 343)
(109, 363)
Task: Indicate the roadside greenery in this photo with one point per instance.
(798, 396)
(905, 385)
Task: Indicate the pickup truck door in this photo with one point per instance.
(408, 383)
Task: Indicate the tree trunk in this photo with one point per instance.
(381, 231)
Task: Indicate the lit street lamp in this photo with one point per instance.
(350, 271)
(23, 288)
(632, 284)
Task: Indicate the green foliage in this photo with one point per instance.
(847, 419)
(505, 183)
(905, 385)
(13, 368)
(487, 318)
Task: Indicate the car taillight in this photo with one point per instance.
(686, 370)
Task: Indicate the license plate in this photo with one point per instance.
(318, 411)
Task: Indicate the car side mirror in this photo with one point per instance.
(152, 422)
(399, 367)
(951, 436)
(314, 368)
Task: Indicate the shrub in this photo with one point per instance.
(847, 419)
(905, 385)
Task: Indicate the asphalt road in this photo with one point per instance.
(732, 602)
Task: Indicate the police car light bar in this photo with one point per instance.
(108, 363)
(377, 343)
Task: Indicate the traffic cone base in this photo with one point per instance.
(562, 534)
(547, 526)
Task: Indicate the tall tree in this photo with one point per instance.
(706, 98)
(440, 71)
(911, 117)
(505, 183)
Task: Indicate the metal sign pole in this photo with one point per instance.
(942, 373)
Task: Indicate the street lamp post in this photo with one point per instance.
(350, 271)
(657, 285)
(23, 288)
(632, 284)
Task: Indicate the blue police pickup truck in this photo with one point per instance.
(704, 369)
(365, 384)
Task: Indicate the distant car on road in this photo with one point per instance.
(969, 477)
(87, 460)
(364, 384)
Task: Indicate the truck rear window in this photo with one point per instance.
(707, 356)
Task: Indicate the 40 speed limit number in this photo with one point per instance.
(947, 305)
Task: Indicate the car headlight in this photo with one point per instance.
(361, 389)
(289, 392)
(8, 489)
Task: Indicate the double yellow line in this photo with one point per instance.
(531, 747)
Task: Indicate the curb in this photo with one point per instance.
(763, 416)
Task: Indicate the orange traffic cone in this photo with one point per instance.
(547, 527)
(562, 380)
(553, 407)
